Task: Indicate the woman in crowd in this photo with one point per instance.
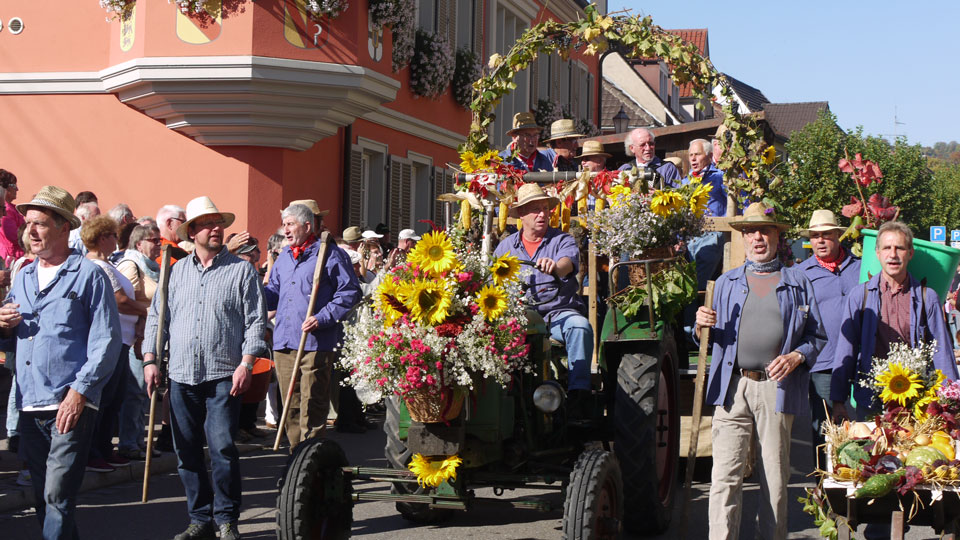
(13, 414)
(11, 221)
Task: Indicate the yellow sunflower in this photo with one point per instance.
(428, 300)
(699, 198)
(505, 268)
(899, 384)
(468, 162)
(488, 159)
(492, 301)
(769, 155)
(618, 195)
(433, 472)
(665, 203)
(920, 409)
(388, 301)
(434, 253)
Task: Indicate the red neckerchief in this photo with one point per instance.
(697, 174)
(297, 250)
(530, 160)
(832, 265)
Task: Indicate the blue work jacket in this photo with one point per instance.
(667, 170)
(831, 290)
(70, 333)
(802, 332)
(858, 336)
(288, 292)
(713, 177)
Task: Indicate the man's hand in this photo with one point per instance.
(234, 244)
(783, 365)
(241, 380)
(706, 318)
(310, 324)
(151, 374)
(840, 412)
(69, 411)
(546, 265)
(10, 315)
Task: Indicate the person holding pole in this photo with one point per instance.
(216, 317)
(291, 291)
(63, 314)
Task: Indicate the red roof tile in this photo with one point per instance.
(697, 36)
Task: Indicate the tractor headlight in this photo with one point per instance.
(548, 397)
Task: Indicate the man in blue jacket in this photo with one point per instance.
(766, 334)
(522, 152)
(834, 272)
(641, 144)
(288, 292)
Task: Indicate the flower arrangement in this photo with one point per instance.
(399, 16)
(329, 8)
(466, 71)
(441, 321)
(188, 6)
(114, 7)
(431, 68)
(906, 377)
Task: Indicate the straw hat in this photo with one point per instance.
(352, 234)
(593, 148)
(56, 199)
(312, 205)
(821, 221)
(197, 208)
(529, 193)
(758, 214)
(524, 120)
(563, 129)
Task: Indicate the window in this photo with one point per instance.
(464, 17)
(509, 27)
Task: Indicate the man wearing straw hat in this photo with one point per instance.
(522, 152)
(563, 142)
(63, 314)
(288, 292)
(592, 157)
(216, 320)
(834, 272)
(553, 253)
(758, 377)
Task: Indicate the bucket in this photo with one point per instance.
(937, 263)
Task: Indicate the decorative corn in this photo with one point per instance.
(582, 207)
(465, 214)
(555, 217)
(502, 217)
(600, 204)
(564, 217)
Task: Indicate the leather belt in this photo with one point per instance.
(754, 375)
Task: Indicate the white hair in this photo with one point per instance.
(300, 213)
(705, 146)
(630, 138)
(169, 211)
(120, 212)
(86, 210)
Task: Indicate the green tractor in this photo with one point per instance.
(616, 464)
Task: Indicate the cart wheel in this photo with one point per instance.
(315, 498)
(398, 456)
(594, 505)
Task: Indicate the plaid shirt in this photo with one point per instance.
(215, 315)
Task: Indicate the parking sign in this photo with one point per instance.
(938, 234)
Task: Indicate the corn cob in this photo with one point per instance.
(465, 214)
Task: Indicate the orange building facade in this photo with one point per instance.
(256, 106)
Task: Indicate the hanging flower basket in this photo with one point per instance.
(428, 407)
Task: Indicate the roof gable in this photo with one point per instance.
(785, 118)
(751, 97)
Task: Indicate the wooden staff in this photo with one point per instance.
(317, 272)
(161, 318)
(697, 414)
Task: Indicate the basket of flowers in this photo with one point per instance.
(439, 324)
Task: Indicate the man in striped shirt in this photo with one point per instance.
(215, 322)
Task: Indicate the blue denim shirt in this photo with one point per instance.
(831, 290)
(858, 336)
(667, 170)
(288, 292)
(717, 204)
(802, 332)
(555, 245)
(543, 161)
(70, 333)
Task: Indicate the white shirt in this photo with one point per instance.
(45, 274)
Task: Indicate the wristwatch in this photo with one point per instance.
(802, 357)
(248, 365)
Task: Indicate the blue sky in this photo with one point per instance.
(864, 58)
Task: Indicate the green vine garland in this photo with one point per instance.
(742, 140)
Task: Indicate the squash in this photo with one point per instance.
(878, 485)
(923, 455)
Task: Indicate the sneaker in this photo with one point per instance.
(198, 531)
(99, 465)
(229, 531)
(116, 460)
(23, 478)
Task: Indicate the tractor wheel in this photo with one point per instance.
(647, 440)
(398, 456)
(314, 501)
(593, 508)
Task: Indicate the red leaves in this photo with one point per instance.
(880, 207)
(852, 209)
(864, 172)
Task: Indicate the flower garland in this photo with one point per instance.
(431, 68)
(399, 16)
(466, 71)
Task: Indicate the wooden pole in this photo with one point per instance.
(697, 414)
(317, 272)
(162, 289)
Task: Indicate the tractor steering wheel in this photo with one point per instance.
(553, 284)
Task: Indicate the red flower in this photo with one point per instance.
(852, 209)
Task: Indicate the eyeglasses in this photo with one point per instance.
(153, 240)
(208, 224)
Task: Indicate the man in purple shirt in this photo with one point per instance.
(642, 146)
(553, 253)
(288, 292)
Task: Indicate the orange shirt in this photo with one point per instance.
(164, 241)
(530, 245)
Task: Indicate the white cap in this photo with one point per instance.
(370, 234)
(409, 234)
(354, 255)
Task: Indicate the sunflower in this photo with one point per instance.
(769, 155)
(434, 253)
(388, 301)
(492, 301)
(468, 162)
(899, 384)
(489, 159)
(699, 198)
(618, 195)
(428, 300)
(433, 472)
(665, 203)
(920, 409)
(505, 268)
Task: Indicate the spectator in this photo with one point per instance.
(317, 213)
(522, 151)
(758, 377)
(407, 239)
(99, 235)
(67, 347)
(371, 252)
(13, 412)
(385, 244)
(11, 221)
(288, 292)
(592, 156)
(122, 214)
(216, 325)
(563, 142)
(169, 218)
(641, 144)
(87, 207)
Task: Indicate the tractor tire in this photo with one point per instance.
(398, 456)
(307, 507)
(647, 440)
(593, 508)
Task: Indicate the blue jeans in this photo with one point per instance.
(57, 463)
(110, 402)
(13, 413)
(819, 392)
(207, 409)
(574, 331)
(135, 405)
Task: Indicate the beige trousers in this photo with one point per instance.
(754, 404)
(310, 403)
